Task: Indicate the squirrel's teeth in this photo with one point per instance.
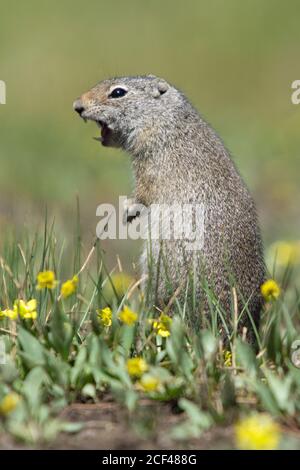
(99, 139)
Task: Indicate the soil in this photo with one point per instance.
(107, 426)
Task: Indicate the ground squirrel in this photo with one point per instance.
(177, 157)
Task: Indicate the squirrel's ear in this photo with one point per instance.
(160, 88)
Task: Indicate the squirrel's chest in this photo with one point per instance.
(156, 187)
(149, 189)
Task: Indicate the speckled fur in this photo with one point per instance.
(177, 157)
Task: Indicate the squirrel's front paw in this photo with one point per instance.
(131, 210)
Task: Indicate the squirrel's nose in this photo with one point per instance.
(78, 107)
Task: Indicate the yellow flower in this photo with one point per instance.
(105, 316)
(227, 359)
(257, 432)
(149, 383)
(121, 283)
(69, 287)
(26, 310)
(128, 316)
(46, 280)
(270, 290)
(9, 403)
(136, 366)
(9, 313)
(162, 325)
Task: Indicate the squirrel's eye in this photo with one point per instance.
(118, 93)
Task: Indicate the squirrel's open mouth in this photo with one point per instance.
(105, 132)
(108, 136)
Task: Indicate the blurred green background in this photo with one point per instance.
(234, 59)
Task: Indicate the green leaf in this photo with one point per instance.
(8, 371)
(209, 344)
(95, 359)
(89, 391)
(33, 352)
(77, 369)
(58, 370)
(196, 415)
(32, 387)
(281, 390)
(246, 358)
(274, 342)
(61, 332)
(176, 349)
(267, 398)
(126, 337)
(197, 422)
(71, 428)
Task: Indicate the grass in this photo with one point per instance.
(68, 354)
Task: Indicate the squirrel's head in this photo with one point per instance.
(130, 110)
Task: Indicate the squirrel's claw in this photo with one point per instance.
(131, 210)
